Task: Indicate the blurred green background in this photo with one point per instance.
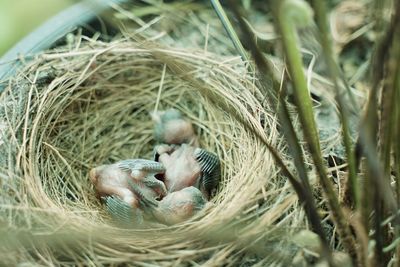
(19, 17)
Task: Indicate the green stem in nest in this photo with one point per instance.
(322, 23)
(288, 14)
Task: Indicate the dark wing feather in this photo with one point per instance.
(210, 169)
(122, 212)
(145, 203)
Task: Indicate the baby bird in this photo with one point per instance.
(172, 128)
(114, 180)
(176, 207)
(187, 166)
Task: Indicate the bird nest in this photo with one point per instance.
(66, 112)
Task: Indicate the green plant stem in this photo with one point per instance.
(377, 13)
(367, 143)
(390, 96)
(387, 121)
(303, 103)
(267, 81)
(369, 126)
(390, 62)
(396, 141)
(322, 23)
(397, 168)
(393, 131)
(231, 32)
(295, 149)
(366, 201)
(397, 144)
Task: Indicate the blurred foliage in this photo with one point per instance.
(18, 18)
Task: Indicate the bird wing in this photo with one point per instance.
(210, 169)
(149, 166)
(145, 203)
(122, 212)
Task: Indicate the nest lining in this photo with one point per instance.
(67, 112)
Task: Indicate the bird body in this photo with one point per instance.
(172, 128)
(186, 166)
(180, 205)
(174, 208)
(114, 179)
(181, 168)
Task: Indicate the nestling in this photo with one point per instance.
(176, 207)
(172, 128)
(113, 180)
(187, 166)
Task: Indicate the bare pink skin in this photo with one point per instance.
(182, 168)
(179, 206)
(175, 130)
(110, 180)
(179, 132)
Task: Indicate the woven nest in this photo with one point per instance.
(67, 112)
